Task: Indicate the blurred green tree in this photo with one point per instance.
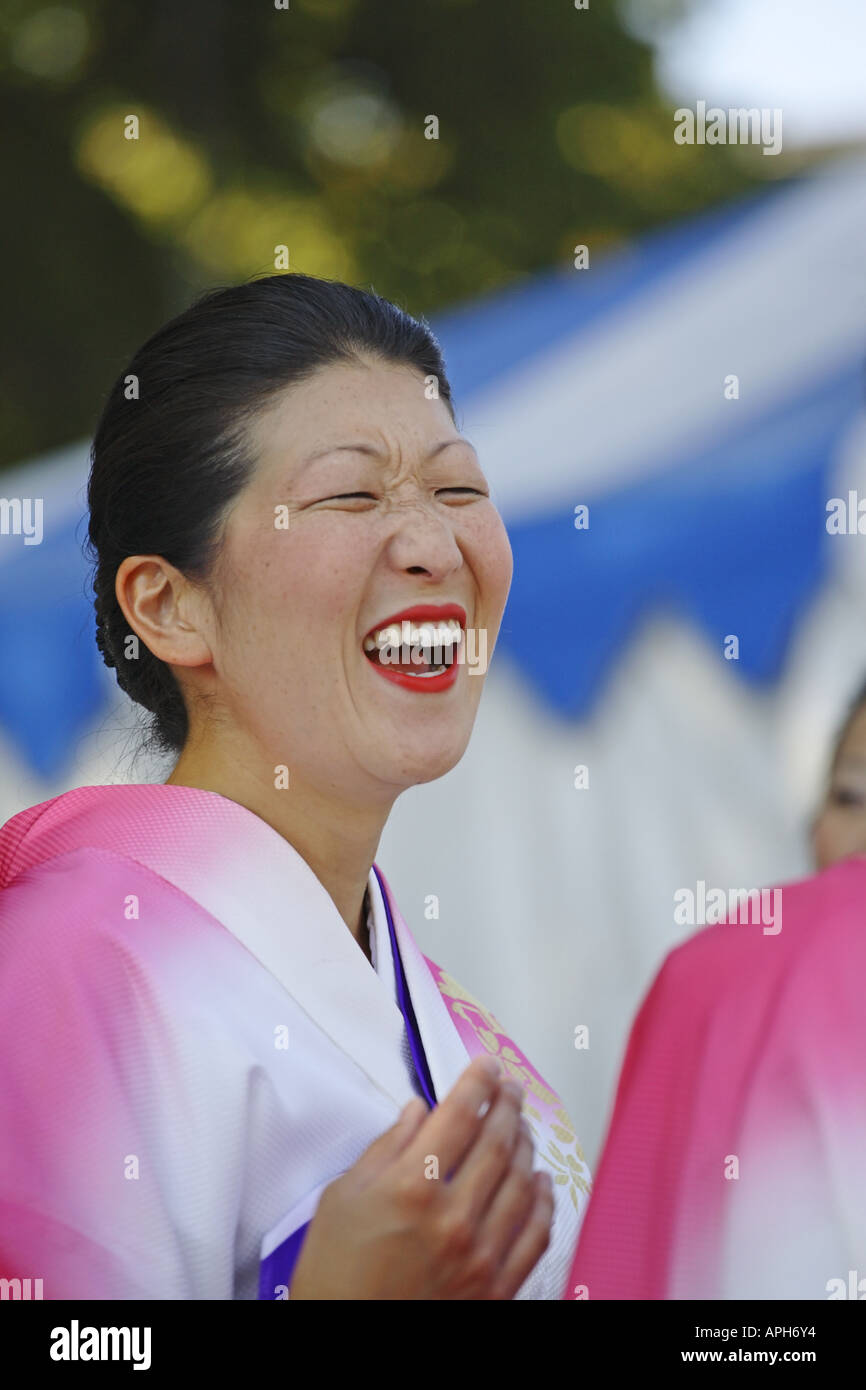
(433, 150)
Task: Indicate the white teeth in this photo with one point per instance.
(430, 637)
(443, 633)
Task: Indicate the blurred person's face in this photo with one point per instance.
(839, 829)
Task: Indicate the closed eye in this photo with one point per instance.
(348, 496)
(473, 490)
(845, 796)
(368, 496)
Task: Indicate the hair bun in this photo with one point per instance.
(102, 642)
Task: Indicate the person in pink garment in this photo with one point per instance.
(228, 1070)
(735, 1161)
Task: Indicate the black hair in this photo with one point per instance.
(171, 450)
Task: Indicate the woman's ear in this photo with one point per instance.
(164, 610)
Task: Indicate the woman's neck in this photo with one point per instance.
(337, 840)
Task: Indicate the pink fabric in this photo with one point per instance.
(747, 1057)
(151, 936)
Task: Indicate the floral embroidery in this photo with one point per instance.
(547, 1118)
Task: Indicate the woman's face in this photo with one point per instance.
(839, 829)
(386, 508)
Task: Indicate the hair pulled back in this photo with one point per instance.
(171, 450)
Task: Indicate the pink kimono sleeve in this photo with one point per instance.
(734, 1161)
(89, 1203)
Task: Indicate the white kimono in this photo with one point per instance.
(194, 1046)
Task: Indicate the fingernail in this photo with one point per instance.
(490, 1067)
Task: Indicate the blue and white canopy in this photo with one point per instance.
(610, 387)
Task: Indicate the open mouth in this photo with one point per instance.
(419, 648)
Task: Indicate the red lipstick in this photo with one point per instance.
(415, 614)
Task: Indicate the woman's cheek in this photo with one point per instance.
(838, 835)
(499, 569)
(823, 839)
(502, 556)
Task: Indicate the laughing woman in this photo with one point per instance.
(223, 1052)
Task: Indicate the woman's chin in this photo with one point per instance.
(416, 764)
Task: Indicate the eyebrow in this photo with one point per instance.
(361, 447)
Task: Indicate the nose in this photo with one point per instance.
(424, 542)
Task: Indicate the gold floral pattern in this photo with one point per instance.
(553, 1132)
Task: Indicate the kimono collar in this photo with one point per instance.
(254, 884)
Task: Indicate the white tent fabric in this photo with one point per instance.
(780, 298)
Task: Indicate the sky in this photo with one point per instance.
(806, 56)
